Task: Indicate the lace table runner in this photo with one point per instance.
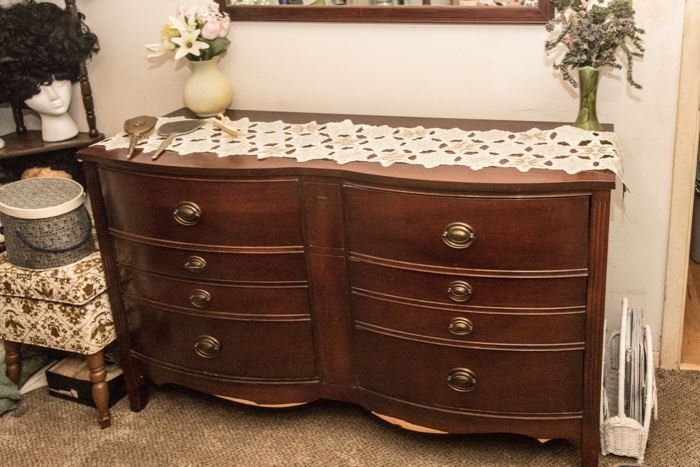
(564, 148)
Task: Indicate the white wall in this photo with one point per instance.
(498, 72)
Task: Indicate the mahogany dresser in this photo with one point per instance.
(443, 299)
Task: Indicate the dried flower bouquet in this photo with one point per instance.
(594, 33)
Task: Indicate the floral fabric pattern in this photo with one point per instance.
(82, 329)
(74, 284)
(564, 148)
(63, 308)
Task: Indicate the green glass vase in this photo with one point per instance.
(588, 87)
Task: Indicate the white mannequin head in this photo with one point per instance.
(51, 103)
(2, 143)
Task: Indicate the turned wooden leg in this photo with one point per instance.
(100, 390)
(12, 361)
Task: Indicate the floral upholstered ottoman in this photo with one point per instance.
(63, 308)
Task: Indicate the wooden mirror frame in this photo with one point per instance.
(393, 14)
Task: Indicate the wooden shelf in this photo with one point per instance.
(31, 143)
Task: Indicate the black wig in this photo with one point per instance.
(40, 42)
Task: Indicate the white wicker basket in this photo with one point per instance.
(620, 434)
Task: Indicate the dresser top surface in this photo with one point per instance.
(487, 179)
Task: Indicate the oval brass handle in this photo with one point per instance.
(195, 264)
(207, 346)
(459, 291)
(187, 213)
(200, 298)
(461, 379)
(460, 327)
(458, 235)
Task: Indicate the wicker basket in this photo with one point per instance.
(620, 434)
(45, 222)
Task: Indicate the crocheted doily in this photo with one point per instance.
(564, 148)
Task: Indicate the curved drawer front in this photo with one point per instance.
(507, 233)
(502, 292)
(204, 211)
(187, 263)
(493, 328)
(218, 298)
(532, 382)
(248, 349)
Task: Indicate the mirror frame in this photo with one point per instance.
(393, 14)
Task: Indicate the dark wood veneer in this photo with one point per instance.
(518, 329)
(491, 292)
(532, 382)
(270, 350)
(243, 222)
(332, 281)
(394, 14)
(226, 298)
(511, 233)
(241, 266)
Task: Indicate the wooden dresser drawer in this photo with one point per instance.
(550, 327)
(471, 290)
(204, 211)
(210, 265)
(532, 382)
(510, 232)
(249, 349)
(262, 299)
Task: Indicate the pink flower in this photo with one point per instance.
(225, 23)
(211, 29)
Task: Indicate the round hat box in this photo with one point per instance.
(45, 222)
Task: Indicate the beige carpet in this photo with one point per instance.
(184, 428)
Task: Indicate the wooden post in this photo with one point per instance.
(12, 361)
(100, 390)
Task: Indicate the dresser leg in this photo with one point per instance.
(138, 398)
(100, 390)
(589, 454)
(12, 361)
(136, 386)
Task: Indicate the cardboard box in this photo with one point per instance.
(70, 379)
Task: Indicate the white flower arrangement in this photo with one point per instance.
(198, 33)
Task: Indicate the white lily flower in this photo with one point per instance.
(159, 49)
(182, 26)
(155, 49)
(188, 44)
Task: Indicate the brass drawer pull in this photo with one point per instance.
(461, 379)
(459, 291)
(195, 264)
(458, 235)
(200, 298)
(207, 346)
(460, 327)
(187, 213)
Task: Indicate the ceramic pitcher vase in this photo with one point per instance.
(588, 87)
(207, 91)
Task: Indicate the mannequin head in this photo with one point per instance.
(51, 103)
(42, 44)
(52, 99)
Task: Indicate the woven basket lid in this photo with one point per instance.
(39, 198)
